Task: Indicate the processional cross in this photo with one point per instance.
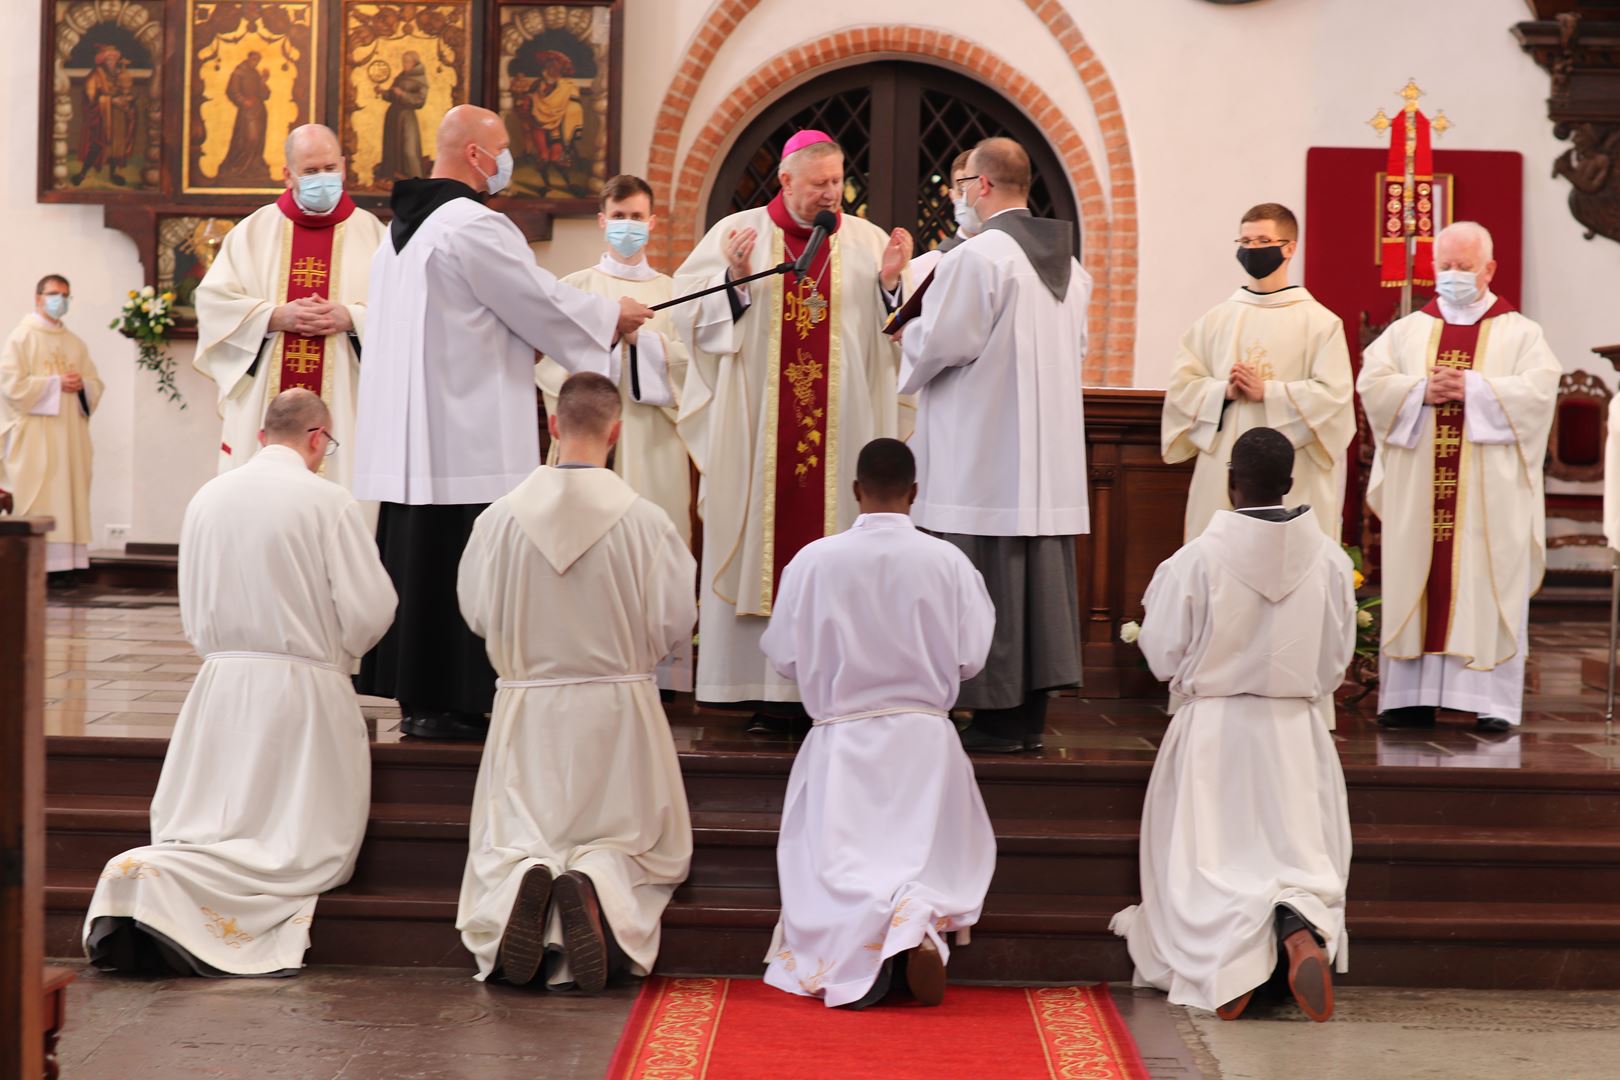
(1409, 224)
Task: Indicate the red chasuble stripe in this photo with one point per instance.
(307, 271)
(802, 397)
(1458, 348)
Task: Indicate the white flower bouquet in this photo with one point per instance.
(148, 316)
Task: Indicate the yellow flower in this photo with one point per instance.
(1359, 579)
(168, 296)
(132, 294)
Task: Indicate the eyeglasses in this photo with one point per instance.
(1258, 241)
(958, 183)
(331, 443)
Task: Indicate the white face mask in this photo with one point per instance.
(56, 305)
(1457, 286)
(503, 170)
(967, 218)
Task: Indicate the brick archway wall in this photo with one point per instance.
(1108, 223)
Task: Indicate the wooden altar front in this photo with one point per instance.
(1137, 506)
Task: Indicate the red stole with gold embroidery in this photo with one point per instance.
(309, 253)
(1454, 347)
(800, 492)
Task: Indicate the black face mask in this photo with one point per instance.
(1260, 263)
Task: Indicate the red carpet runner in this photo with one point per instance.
(741, 1029)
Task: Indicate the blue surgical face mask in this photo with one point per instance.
(503, 170)
(1457, 286)
(967, 218)
(626, 237)
(56, 305)
(319, 192)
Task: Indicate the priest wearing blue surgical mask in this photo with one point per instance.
(283, 304)
(447, 417)
(649, 365)
(1460, 397)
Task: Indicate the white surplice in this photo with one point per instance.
(242, 289)
(576, 581)
(884, 840)
(1297, 348)
(45, 448)
(266, 787)
(1501, 535)
(1253, 624)
(447, 397)
(724, 421)
(995, 361)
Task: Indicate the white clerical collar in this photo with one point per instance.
(1466, 314)
(612, 267)
(1009, 210)
(44, 323)
(1256, 509)
(883, 521)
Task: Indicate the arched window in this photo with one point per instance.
(901, 125)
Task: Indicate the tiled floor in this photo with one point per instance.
(118, 665)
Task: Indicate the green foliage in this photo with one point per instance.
(147, 317)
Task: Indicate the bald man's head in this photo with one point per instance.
(292, 414)
(313, 148)
(470, 143)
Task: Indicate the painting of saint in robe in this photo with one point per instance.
(107, 120)
(549, 109)
(402, 126)
(248, 89)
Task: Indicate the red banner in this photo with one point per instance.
(805, 362)
(1393, 239)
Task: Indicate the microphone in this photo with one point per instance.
(826, 221)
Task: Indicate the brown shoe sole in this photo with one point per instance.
(523, 945)
(1309, 976)
(925, 974)
(584, 944)
(1234, 1008)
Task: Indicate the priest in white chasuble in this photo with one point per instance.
(788, 377)
(885, 845)
(284, 303)
(48, 389)
(447, 413)
(266, 786)
(1268, 356)
(1245, 848)
(1460, 397)
(995, 360)
(580, 831)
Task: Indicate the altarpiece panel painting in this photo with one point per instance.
(106, 111)
(250, 79)
(554, 85)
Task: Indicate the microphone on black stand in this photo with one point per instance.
(826, 221)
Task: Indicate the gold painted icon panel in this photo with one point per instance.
(249, 80)
(555, 84)
(186, 247)
(404, 66)
(106, 104)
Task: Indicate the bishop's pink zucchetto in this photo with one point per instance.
(802, 139)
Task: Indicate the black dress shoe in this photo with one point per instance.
(975, 740)
(523, 945)
(1033, 743)
(584, 940)
(445, 726)
(879, 989)
(1408, 716)
(781, 727)
(1492, 725)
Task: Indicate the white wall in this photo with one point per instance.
(1221, 104)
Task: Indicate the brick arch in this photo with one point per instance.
(1108, 223)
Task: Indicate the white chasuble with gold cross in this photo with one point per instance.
(775, 474)
(1459, 493)
(1297, 348)
(256, 271)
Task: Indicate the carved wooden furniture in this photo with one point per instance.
(53, 1015)
(22, 795)
(1579, 428)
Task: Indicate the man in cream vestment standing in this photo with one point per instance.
(1268, 356)
(284, 303)
(267, 783)
(1460, 396)
(580, 831)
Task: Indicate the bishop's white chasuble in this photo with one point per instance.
(1458, 488)
(45, 451)
(275, 255)
(780, 397)
(1296, 346)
